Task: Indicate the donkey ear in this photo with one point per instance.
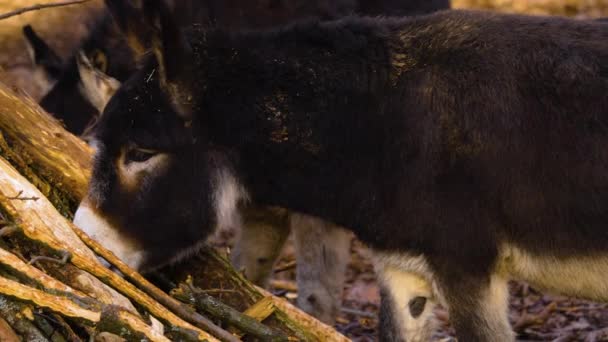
(42, 55)
(129, 20)
(157, 29)
(173, 53)
(95, 85)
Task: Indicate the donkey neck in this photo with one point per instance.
(301, 108)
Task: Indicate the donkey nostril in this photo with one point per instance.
(262, 261)
(312, 299)
(416, 306)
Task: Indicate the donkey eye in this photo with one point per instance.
(139, 155)
(99, 60)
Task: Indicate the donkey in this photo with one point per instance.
(69, 95)
(465, 148)
(92, 75)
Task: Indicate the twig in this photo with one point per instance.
(175, 306)
(18, 197)
(284, 285)
(67, 329)
(114, 318)
(33, 274)
(261, 310)
(39, 7)
(359, 313)
(66, 255)
(527, 319)
(285, 267)
(48, 326)
(208, 291)
(209, 305)
(320, 330)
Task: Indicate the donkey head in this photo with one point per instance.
(75, 91)
(157, 188)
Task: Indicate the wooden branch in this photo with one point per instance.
(262, 309)
(259, 311)
(285, 267)
(57, 304)
(30, 214)
(322, 331)
(67, 331)
(207, 304)
(114, 319)
(286, 285)
(11, 261)
(39, 7)
(180, 309)
(35, 220)
(47, 227)
(205, 270)
(35, 143)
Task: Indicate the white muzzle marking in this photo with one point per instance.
(101, 231)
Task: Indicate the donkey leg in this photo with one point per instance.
(407, 299)
(259, 243)
(478, 308)
(322, 253)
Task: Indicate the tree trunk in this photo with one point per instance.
(41, 166)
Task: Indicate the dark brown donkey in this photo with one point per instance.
(465, 148)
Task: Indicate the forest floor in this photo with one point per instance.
(535, 316)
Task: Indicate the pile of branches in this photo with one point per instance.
(54, 287)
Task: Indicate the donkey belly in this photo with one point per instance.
(578, 275)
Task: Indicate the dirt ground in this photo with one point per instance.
(535, 316)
